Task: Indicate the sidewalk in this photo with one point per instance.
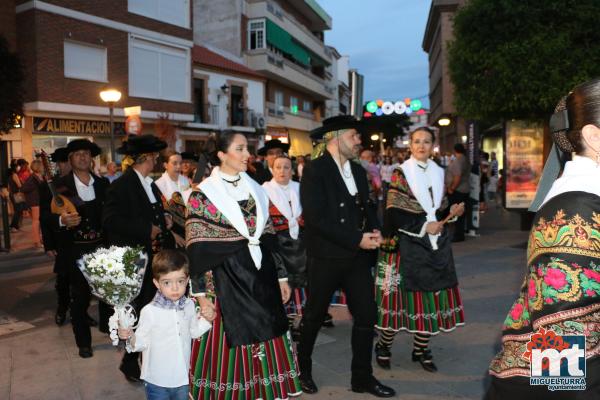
(41, 360)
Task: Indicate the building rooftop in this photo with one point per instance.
(205, 57)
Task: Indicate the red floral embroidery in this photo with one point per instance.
(211, 209)
(532, 289)
(194, 203)
(555, 278)
(592, 274)
(516, 312)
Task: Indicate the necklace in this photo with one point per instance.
(235, 182)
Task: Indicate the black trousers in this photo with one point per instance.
(354, 276)
(80, 301)
(63, 292)
(460, 225)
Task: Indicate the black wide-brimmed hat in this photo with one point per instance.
(335, 124)
(273, 144)
(189, 156)
(143, 144)
(60, 155)
(83, 144)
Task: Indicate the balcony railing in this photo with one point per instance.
(241, 117)
(207, 114)
(276, 110)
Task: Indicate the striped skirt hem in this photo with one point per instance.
(260, 371)
(399, 309)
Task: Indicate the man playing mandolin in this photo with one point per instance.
(75, 213)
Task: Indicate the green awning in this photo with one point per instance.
(283, 41)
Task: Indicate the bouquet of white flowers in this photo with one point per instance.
(115, 276)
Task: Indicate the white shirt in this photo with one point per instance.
(168, 186)
(165, 339)
(347, 176)
(147, 184)
(240, 191)
(582, 174)
(85, 192)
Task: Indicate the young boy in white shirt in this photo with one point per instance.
(166, 328)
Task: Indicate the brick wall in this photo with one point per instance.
(8, 23)
(41, 38)
(116, 10)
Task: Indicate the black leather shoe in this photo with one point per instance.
(60, 317)
(85, 352)
(426, 360)
(308, 385)
(91, 321)
(328, 321)
(375, 388)
(131, 376)
(383, 356)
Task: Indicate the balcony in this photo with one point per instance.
(266, 9)
(284, 71)
(282, 116)
(206, 116)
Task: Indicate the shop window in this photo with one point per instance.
(83, 61)
(176, 12)
(256, 34)
(158, 71)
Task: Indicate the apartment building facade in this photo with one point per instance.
(438, 32)
(73, 49)
(226, 95)
(284, 41)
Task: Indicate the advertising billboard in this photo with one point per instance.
(524, 162)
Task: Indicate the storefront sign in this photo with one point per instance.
(282, 135)
(74, 127)
(524, 162)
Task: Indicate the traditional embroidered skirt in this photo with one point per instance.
(419, 311)
(339, 298)
(297, 302)
(266, 370)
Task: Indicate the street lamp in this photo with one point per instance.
(444, 121)
(111, 96)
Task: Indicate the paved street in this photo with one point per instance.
(39, 360)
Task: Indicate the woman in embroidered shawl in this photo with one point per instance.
(560, 295)
(416, 287)
(172, 184)
(230, 239)
(286, 214)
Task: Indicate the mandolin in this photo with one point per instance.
(60, 204)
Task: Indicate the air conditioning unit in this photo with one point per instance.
(259, 121)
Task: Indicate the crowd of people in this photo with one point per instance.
(262, 248)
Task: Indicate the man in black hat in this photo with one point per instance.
(56, 243)
(80, 232)
(341, 238)
(189, 163)
(134, 216)
(271, 150)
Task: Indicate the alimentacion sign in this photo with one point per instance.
(75, 127)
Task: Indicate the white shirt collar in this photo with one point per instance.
(85, 192)
(346, 173)
(147, 185)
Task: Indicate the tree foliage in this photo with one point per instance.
(517, 58)
(11, 87)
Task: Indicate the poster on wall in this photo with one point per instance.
(524, 162)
